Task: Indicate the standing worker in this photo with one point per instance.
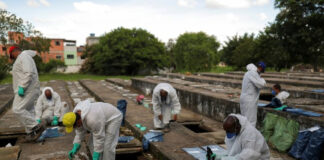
(48, 107)
(165, 103)
(103, 120)
(26, 89)
(251, 85)
(243, 141)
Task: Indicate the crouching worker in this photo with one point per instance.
(102, 120)
(244, 141)
(165, 103)
(48, 107)
(280, 97)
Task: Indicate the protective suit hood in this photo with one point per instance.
(251, 67)
(243, 121)
(84, 106)
(29, 53)
(46, 88)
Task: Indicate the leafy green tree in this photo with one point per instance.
(195, 52)
(299, 25)
(239, 51)
(125, 52)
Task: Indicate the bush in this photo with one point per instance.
(49, 67)
(4, 67)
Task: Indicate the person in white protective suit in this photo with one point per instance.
(165, 103)
(102, 120)
(251, 85)
(244, 141)
(49, 107)
(26, 89)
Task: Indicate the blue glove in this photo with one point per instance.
(76, 147)
(38, 121)
(21, 91)
(55, 121)
(95, 156)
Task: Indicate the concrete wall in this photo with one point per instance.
(218, 106)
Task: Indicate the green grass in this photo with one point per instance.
(218, 69)
(68, 77)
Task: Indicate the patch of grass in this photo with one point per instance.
(68, 77)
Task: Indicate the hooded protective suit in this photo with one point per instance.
(25, 75)
(46, 109)
(167, 107)
(249, 144)
(251, 85)
(282, 96)
(103, 120)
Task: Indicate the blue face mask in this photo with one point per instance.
(273, 92)
(230, 135)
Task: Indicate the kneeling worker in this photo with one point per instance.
(103, 120)
(48, 107)
(165, 103)
(244, 141)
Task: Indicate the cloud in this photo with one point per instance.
(187, 3)
(3, 5)
(91, 7)
(32, 3)
(263, 16)
(45, 3)
(90, 17)
(235, 3)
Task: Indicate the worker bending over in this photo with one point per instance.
(251, 85)
(102, 120)
(244, 141)
(165, 103)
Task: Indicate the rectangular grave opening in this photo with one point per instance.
(266, 96)
(197, 128)
(5, 141)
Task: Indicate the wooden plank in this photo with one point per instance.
(129, 150)
(10, 153)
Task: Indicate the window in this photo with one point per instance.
(70, 56)
(58, 57)
(57, 43)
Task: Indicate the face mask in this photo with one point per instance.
(230, 135)
(273, 92)
(49, 98)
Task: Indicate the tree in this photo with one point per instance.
(125, 51)
(239, 51)
(300, 27)
(9, 22)
(195, 51)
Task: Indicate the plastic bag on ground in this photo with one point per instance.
(314, 148)
(300, 144)
(269, 123)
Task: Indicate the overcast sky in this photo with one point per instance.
(76, 19)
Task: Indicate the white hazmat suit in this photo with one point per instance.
(249, 144)
(251, 85)
(103, 120)
(168, 107)
(46, 109)
(25, 75)
(282, 96)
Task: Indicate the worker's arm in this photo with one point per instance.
(38, 108)
(58, 106)
(257, 80)
(176, 106)
(79, 135)
(156, 105)
(27, 72)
